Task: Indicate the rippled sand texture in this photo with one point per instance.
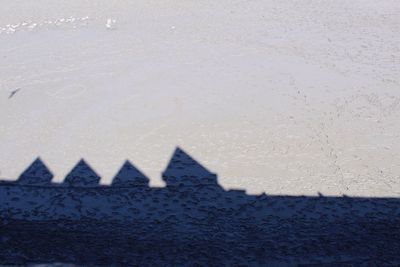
(282, 97)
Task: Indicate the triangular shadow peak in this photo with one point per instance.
(129, 176)
(201, 224)
(36, 174)
(82, 175)
(182, 169)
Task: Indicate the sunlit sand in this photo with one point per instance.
(282, 97)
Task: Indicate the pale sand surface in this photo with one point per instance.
(283, 97)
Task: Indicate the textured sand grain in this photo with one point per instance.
(282, 97)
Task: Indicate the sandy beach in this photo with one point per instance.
(282, 97)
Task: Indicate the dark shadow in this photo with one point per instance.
(36, 174)
(193, 221)
(82, 175)
(129, 176)
(12, 93)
